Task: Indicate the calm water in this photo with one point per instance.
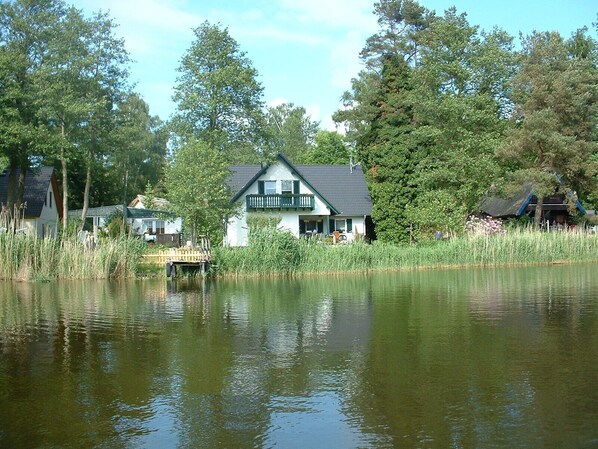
(456, 359)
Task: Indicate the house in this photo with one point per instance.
(555, 208)
(42, 210)
(308, 199)
(156, 226)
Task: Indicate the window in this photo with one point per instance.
(311, 226)
(286, 186)
(269, 187)
(338, 225)
(341, 225)
(50, 197)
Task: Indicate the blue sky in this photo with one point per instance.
(305, 51)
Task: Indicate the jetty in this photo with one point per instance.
(196, 257)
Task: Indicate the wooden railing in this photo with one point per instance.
(278, 201)
(198, 254)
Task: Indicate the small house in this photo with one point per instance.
(555, 208)
(155, 226)
(42, 206)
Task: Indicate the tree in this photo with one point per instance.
(197, 189)
(429, 114)
(137, 149)
(61, 74)
(460, 101)
(556, 116)
(330, 148)
(26, 27)
(290, 131)
(391, 154)
(219, 99)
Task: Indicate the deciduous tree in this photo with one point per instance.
(290, 131)
(197, 188)
(218, 97)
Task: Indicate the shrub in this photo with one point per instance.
(484, 226)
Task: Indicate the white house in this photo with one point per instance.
(42, 210)
(154, 225)
(158, 226)
(308, 199)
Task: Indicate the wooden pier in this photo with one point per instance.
(173, 259)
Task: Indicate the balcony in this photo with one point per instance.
(280, 202)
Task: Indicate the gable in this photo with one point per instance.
(37, 183)
(343, 190)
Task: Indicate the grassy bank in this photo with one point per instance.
(283, 255)
(24, 257)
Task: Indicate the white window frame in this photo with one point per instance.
(286, 186)
(269, 187)
(342, 228)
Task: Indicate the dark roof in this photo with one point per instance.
(37, 181)
(513, 206)
(525, 200)
(101, 211)
(132, 212)
(241, 176)
(344, 190)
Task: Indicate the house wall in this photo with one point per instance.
(237, 229)
(142, 225)
(46, 225)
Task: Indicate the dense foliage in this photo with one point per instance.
(445, 112)
(66, 101)
(197, 189)
(442, 114)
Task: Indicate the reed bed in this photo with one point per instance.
(25, 257)
(273, 257)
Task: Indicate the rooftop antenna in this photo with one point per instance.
(352, 165)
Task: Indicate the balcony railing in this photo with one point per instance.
(267, 202)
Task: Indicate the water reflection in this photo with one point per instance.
(479, 358)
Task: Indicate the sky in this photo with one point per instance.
(305, 51)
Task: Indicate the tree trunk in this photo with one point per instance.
(538, 214)
(11, 188)
(87, 188)
(63, 164)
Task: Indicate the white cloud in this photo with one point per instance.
(148, 25)
(313, 111)
(277, 102)
(333, 13)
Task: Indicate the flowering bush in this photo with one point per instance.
(484, 226)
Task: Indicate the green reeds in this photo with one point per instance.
(270, 257)
(26, 257)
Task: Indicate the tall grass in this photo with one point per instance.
(275, 255)
(26, 257)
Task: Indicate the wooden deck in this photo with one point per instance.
(174, 258)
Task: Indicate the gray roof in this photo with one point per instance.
(343, 188)
(132, 212)
(347, 191)
(524, 201)
(37, 181)
(513, 206)
(101, 211)
(241, 175)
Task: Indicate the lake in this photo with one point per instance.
(485, 358)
